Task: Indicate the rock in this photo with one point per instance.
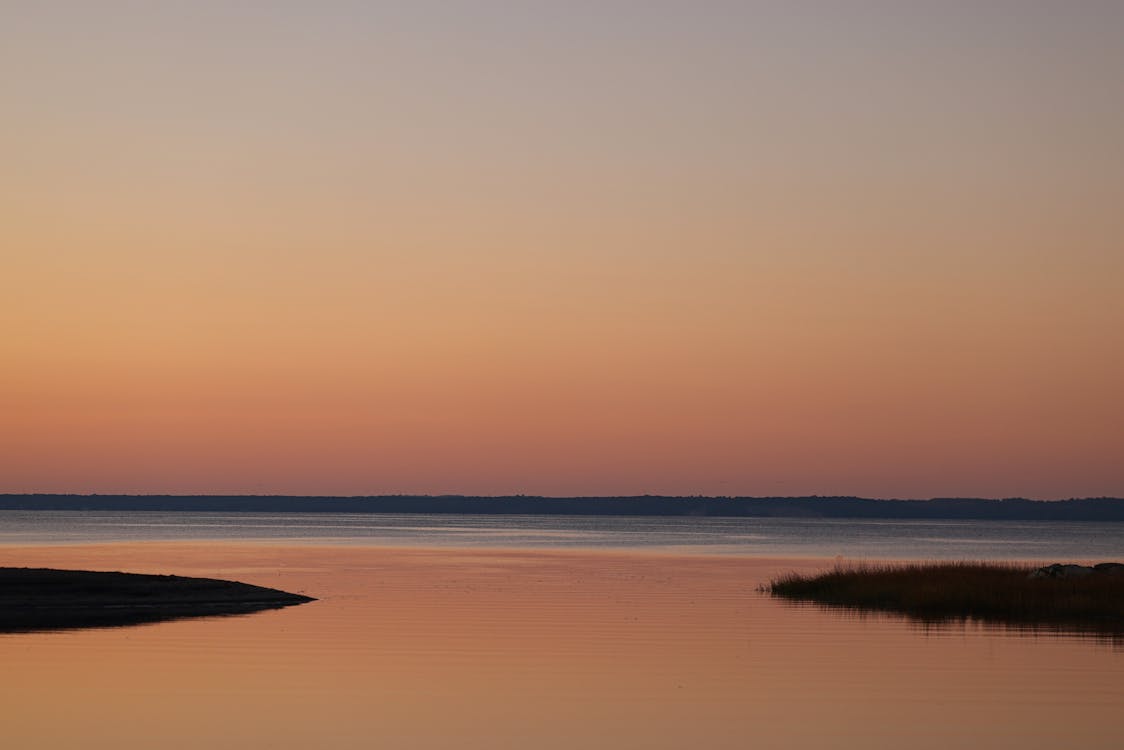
(1062, 570)
(1059, 570)
(1110, 568)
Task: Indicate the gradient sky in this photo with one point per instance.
(562, 248)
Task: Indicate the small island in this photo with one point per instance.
(1057, 596)
(47, 599)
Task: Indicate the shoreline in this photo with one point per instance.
(827, 507)
(34, 599)
(1004, 593)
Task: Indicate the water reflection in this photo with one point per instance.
(444, 648)
(1108, 634)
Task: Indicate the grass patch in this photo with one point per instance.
(937, 592)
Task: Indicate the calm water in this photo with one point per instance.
(543, 633)
(778, 537)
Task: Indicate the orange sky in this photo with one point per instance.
(568, 250)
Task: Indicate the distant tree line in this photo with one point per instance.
(1079, 509)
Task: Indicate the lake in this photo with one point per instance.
(532, 632)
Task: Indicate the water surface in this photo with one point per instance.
(550, 644)
(777, 537)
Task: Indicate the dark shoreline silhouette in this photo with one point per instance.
(34, 599)
(1010, 509)
(1088, 599)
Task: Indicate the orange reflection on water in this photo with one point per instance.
(436, 648)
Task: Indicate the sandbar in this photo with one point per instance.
(48, 599)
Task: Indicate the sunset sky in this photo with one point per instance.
(775, 248)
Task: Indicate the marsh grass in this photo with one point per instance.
(936, 592)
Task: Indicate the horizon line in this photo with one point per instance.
(524, 496)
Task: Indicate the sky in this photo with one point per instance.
(580, 248)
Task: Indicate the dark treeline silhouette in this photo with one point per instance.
(1081, 509)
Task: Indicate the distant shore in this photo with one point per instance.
(1010, 509)
(1088, 598)
(48, 599)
